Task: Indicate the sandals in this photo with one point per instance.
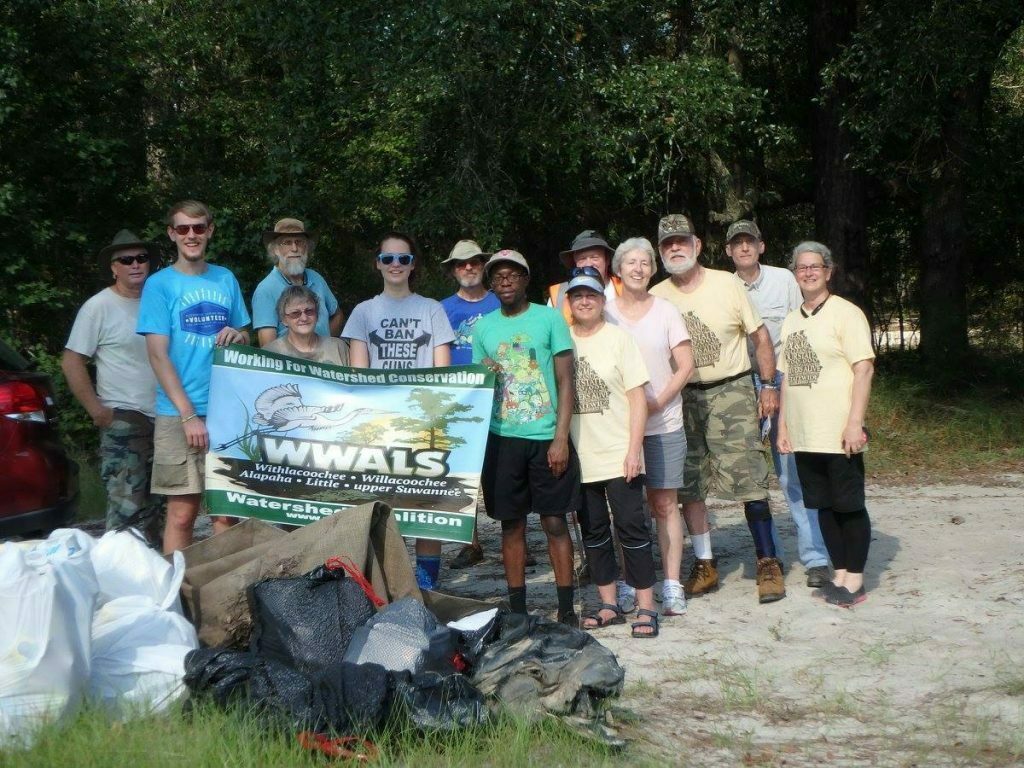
(652, 623)
(600, 621)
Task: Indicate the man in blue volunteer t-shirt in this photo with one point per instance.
(464, 307)
(186, 311)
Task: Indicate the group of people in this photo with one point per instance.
(615, 394)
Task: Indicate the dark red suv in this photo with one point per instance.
(38, 482)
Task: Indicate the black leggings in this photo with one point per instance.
(847, 536)
(627, 503)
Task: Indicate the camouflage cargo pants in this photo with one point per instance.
(724, 452)
(126, 461)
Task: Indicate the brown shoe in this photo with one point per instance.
(468, 556)
(770, 585)
(703, 578)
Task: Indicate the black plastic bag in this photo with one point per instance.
(306, 622)
(347, 700)
(404, 636)
(437, 702)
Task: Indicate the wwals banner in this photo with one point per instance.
(292, 441)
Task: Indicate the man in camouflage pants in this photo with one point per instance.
(122, 404)
(724, 450)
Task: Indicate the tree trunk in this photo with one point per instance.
(840, 191)
(943, 246)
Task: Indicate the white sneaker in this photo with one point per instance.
(625, 596)
(673, 601)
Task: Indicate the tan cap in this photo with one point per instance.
(465, 250)
(506, 254)
(288, 227)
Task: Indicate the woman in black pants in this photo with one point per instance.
(828, 363)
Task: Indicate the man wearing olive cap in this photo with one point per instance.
(122, 404)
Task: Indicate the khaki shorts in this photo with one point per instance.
(724, 452)
(178, 470)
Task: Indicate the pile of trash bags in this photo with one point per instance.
(322, 631)
(85, 618)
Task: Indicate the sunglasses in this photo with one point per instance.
(142, 258)
(588, 271)
(405, 259)
(183, 229)
(295, 314)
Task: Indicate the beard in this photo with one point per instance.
(293, 267)
(680, 268)
(471, 281)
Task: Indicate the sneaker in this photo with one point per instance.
(844, 598)
(703, 578)
(625, 596)
(468, 556)
(770, 585)
(818, 576)
(673, 602)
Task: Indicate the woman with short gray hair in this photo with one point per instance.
(659, 331)
(297, 309)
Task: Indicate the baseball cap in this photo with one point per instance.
(506, 254)
(743, 227)
(674, 225)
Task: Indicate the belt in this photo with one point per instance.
(702, 385)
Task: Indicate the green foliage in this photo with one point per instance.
(438, 413)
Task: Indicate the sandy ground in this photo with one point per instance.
(929, 671)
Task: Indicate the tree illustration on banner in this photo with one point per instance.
(439, 413)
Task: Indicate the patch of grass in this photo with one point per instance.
(92, 496)
(212, 738)
(928, 423)
(877, 653)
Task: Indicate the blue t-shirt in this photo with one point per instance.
(462, 316)
(264, 301)
(190, 310)
(526, 395)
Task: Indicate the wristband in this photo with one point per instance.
(189, 418)
(772, 387)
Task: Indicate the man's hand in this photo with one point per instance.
(782, 442)
(631, 466)
(229, 335)
(195, 433)
(854, 440)
(493, 365)
(767, 403)
(103, 417)
(558, 456)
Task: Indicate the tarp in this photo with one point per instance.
(293, 441)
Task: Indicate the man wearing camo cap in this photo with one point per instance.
(724, 450)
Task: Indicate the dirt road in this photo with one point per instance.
(929, 671)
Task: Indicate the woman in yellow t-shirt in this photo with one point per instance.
(609, 414)
(828, 363)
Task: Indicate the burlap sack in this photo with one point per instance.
(220, 569)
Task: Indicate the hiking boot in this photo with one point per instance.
(817, 576)
(672, 601)
(770, 586)
(703, 578)
(468, 556)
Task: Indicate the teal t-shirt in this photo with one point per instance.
(526, 396)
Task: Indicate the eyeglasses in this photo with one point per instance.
(467, 263)
(141, 258)
(810, 268)
(183, 229)
(514, 276)
(587, 271)
(405, 259)
(295, 314)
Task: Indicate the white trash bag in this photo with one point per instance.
(138, 662)
(126, 566)
(44, 646)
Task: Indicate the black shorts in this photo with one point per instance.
(832, 480)
(517, 480)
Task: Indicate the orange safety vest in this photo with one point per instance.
(556, 294)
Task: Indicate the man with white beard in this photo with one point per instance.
(289, 246)
(724, 449)
(464, 307)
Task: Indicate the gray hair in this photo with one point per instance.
(812, 246)
(294, 293)
(272, 254)
(641, 244)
